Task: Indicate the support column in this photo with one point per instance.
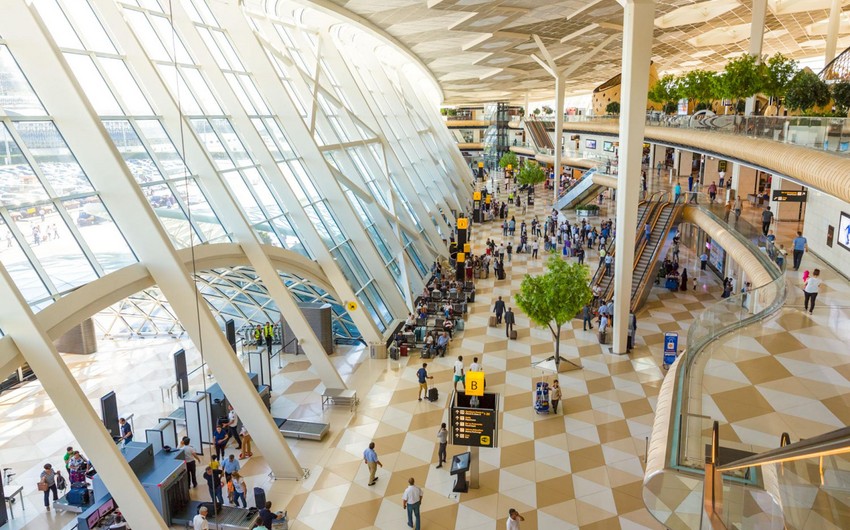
(637, 51)
(735, 179)
(756, 40)
(832, 31)
(18, 321)
(559, 132)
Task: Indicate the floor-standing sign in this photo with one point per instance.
(671, 348)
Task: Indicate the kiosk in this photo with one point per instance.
(460, 465)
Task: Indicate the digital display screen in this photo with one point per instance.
(590, 144)
(460, 463)
(608, 146)
(93, 519)
(107, 507)
(844, 231)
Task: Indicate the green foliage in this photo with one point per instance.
(556, 297)
(742, 77)
(665, 89)
(778, 72)
(698, 85)
(613, 107)
(547, 110)
(670, 108)
(530, 174)
(509, 158)
(806, 90)
(841, 96)
(536, 112)
(588, 207)
(444, 111)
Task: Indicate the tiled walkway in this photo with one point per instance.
(582, 469)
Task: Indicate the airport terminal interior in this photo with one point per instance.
(473, 264)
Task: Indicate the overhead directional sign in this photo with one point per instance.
(474, 384)
(789, 195)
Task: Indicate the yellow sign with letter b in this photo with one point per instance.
(474, 384)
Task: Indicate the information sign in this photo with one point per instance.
(474, 427)
(789, 195)
(474, 385)
(671, 342)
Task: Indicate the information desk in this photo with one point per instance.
(302, 430)
(227, 518)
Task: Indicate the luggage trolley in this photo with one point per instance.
(671, 349)
(541, 398)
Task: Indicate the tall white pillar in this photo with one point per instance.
(18, 321)
(832, 31)
(637, 51)
(559, 131)
(756, 40)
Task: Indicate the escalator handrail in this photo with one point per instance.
(831, 443)
(596, 279)
(676, 210)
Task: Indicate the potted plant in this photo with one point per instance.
(587, 210)
(613, 108)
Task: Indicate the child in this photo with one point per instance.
(214, 464)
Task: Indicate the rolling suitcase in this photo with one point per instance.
(403, 350)
(433, 394)
(492, 321)
(603, 335)
(78, 495)
(513, 334)
(259, 498)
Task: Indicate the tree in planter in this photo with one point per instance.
(699, 86)
(778, 72)
(613, 107)
(742, 77)
(841, 96)
(556, 297)
(666, 91)
(530, 175)
(805, 91)
(536, 112)
(547, 110)
(509, 159)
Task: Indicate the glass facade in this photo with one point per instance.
(341, 197)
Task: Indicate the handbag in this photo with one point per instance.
(42, 486)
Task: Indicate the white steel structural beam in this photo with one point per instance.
(833, 27)
(637, 50)
(756, 40)
(559, 134)
(196, 158)
(53, 374)
(376, 120)
(256, 62)
(54, 82)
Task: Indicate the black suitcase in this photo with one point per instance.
(433, 394)
(513, 334)
(78, 496)
(259, 498)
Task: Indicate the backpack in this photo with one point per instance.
(61, 483)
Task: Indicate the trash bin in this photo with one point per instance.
(378, 351)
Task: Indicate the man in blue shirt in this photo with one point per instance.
(230, 466)
(126, 431)
(442, 344)
(800, 246)
(422, 375)
(370, 458)
(677, 190)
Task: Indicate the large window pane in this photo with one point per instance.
(19, 267)
(126, 87)
(53, 157)
(100, 233)
(16, 95)
(94, 86)
(18, 182)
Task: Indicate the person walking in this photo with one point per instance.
(535, 246)
(587, 317)
(268, 334)
(555, 395)
(800, 245)
(509, 322)
(458, 372)
(703, 261)
(499, 308)
(810, 291)
(608, 261)
(239, 489)
(200, 520)
(233, 424)
(47, 484)
(727, 209)
(514, 519)
(220, 438)
(423, 377)
(411, 500)
(126, 430)
(230, 467)
(737, 208)
(213, 479)
(246, 443)
(647, 232)
(766, 219)
(370, 458)
(677, 191)
(191, 458)
(712, 192)
(442, 441)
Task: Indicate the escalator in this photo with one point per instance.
(661, 216)
(583, 190)
(537, 132)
